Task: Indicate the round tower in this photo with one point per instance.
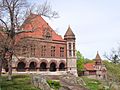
(71, 51)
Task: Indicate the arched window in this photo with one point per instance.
(32, 66)
(62, 67)
(52, 67)
(21, 66)
(43, 66)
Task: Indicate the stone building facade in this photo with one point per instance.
(42, 50)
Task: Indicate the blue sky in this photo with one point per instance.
(96, 23)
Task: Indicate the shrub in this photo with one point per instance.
(54, 84)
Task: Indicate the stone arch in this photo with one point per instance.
(32, 65)
(62, 66)
(21, 66)
(45, 61)
(21, 60)
(62, 61)
(43, 66)
(53, 65)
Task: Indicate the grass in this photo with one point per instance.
(19, 82)
(92, 84)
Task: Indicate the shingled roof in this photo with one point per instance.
(69, 34)
(98, 59)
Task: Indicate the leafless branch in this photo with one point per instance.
(113, 56)
(4, 24)
(46, 10)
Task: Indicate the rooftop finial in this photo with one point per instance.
(97, 52)
(69, 25)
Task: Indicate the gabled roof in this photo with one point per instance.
(89, 66)
(38, 25)
(69, 34)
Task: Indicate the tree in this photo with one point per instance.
(12, 15)
(80, 62)
(114, 55)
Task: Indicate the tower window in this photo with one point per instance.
(73, 49)
(70, 51)
(69, 46)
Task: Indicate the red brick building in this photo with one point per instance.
(42, 50)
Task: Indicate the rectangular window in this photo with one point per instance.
(18, 50)
(43, 50)
(52, 51)
(61, 51)
(69, 46)
(73, 49)
(32, 50)
(70, 52)
(24, 50)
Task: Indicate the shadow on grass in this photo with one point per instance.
(19, 82)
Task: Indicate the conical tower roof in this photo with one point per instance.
(98, 59)
(69, 34)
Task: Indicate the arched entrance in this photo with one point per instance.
(32, 66)
(62, 67)
(21, 67)
(43, 66)
(52, 67)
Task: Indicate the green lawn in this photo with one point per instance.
(92, 84)
(19, 82)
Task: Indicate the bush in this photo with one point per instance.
(54, 84)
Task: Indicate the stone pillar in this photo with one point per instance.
(48, 69)
(57, 69)
(14, 69)
(37, 69)
(3, 70)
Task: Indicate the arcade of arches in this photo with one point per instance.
(43, 66)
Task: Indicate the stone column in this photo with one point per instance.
(3, 70)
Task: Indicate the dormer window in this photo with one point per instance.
(47, 33)
(48, 36)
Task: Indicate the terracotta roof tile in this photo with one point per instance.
(38, 24)
(89, 66)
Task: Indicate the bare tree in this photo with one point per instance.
(12, 15)
(114, 55)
